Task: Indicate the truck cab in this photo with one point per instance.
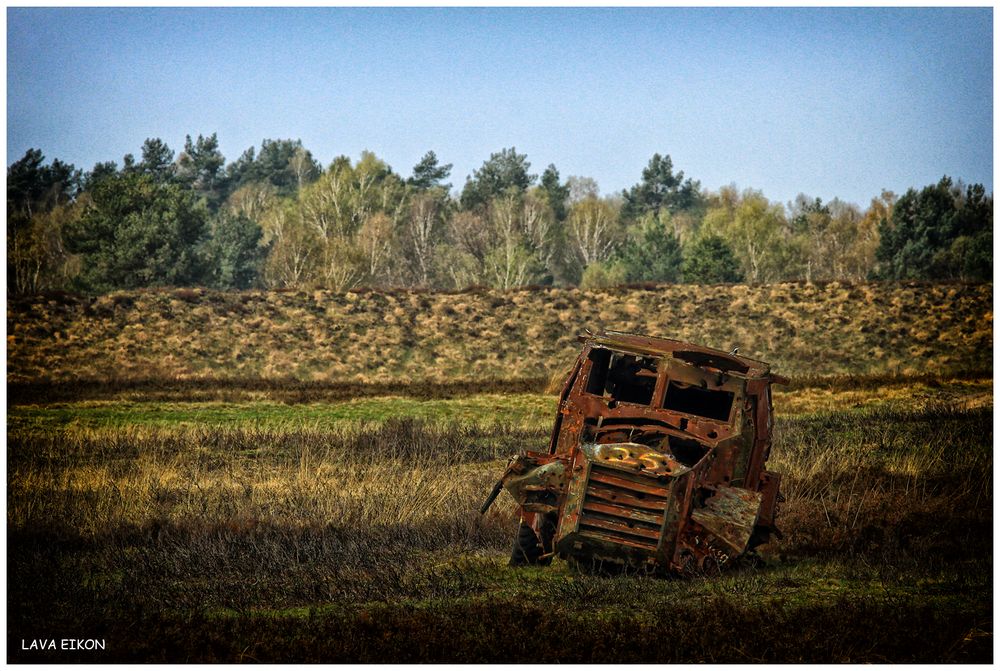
(656, 460)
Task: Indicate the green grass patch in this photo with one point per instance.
(515, 409)
(534, 410)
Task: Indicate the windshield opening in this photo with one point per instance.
(626, 378)
(709, 403)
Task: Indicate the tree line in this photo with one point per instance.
(275, 218)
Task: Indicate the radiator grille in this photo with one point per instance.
(623, 508)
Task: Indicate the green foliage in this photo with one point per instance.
(513, 240)
(340, 231)
(660, 189)
(970, 257)
(804, 209)
(39, 199)
(362, 223)
(592, 231)
(939, 232)
(100, 171)
(455, 268)
(429, 174)
(504, 171)
(422, 234)
(599, 275)
(34, 187)
(137, 233)
(37, 259)
(199, 167)
(157, 160)
(512, 264)
(284, 164)
(519, 240)
(651, 253)
(555, 193)
(294, 247)
(710, 260)
(235, 252)
(832, 241)
(756, 230)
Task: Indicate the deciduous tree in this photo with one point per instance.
(423, 232)
(755, 229)
(37, 258)
(294, 247)
(341, 230)
(252, 200)
(516, 228)
(593, 230)
(581, 188)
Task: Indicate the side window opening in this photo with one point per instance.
(599, 359)
(709, 403)
(626, 378)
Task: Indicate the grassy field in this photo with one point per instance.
(196, 476)
(348, 531)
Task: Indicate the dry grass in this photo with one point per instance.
(216, 543)
(915, 393)
(241, 518)
(405, 337)
(359, 476)
(406, 472)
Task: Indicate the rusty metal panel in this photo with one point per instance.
(730, 516)
(769, 488)
(569, 519)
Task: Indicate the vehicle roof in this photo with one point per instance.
(643, 344)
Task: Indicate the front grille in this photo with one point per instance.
(623, 508)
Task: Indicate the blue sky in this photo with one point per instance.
(828, 102)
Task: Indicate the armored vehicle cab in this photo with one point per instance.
(656, 460)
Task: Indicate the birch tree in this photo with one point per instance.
(592, 230)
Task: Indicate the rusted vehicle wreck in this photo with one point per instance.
(656, 460)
